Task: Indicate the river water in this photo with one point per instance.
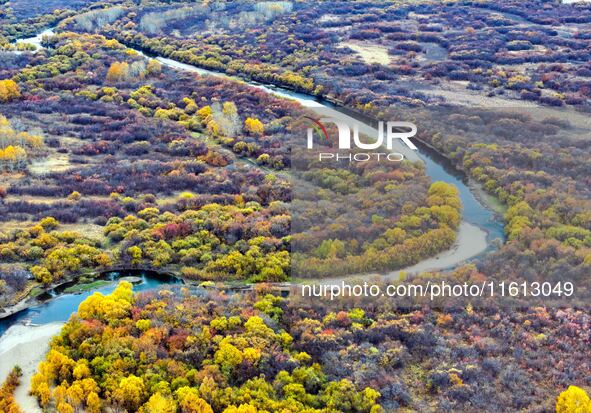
(479, 228)
(55, 305)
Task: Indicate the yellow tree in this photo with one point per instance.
(158, 404)
(81, 370)
(243, 408)
(109, 308)
(131, 392)
(119, 71)
(9, 90)
(227, 356)
(229, 109)
(254, 126)
(135, 253)
(12, 156)
(65, 408)
(75, 395)
(154, 67)
(43, 394)
(7, 401)
(190, 402)
(204, 113)
(213, 128)
(93, 403)
(49, 223)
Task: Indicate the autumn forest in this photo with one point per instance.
(168, 137)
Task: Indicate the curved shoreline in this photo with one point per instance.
(57, 303)
(475, 187)
(470, 243)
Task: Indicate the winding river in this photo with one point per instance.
(478, 231)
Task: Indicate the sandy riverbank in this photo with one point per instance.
(470, 241)
(25, 346)
(20, 306)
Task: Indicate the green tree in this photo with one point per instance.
(228, 356)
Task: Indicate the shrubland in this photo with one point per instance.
(192, 350)
(169, 170)
(530, 50)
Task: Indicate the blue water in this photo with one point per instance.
(473, 211)
(439, 168)
(59, 308)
